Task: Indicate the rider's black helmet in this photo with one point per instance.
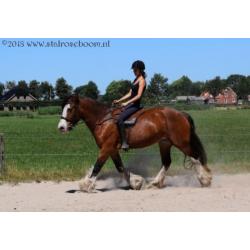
(138, 65)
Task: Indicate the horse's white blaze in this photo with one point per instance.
(63, 123)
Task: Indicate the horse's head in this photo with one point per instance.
(70, 114)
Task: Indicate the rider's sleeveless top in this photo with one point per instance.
(134, 92)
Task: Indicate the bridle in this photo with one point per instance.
(66, 119)
(113, 107)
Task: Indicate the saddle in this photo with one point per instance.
(114, 113)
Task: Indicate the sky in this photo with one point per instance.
(199, 59)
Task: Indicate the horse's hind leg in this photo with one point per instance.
(196, 152)
(204, 174)
(165, 147)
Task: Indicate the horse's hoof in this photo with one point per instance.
(155, 185)
(137, 182)
(204, 176)
(206, 182)
(152, 186)
(87, 185)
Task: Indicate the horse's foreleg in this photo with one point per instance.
(87, 184)
(119, 166)
(158, 181)
(135, 181)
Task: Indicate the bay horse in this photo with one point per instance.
(165, 126)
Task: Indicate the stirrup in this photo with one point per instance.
(125, 146)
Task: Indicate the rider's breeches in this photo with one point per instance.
(129, 110)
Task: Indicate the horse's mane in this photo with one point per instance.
(96, 102)
(65, 100)
(88, 99)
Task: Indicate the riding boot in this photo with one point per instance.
(122, 133)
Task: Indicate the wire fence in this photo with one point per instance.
(127, 153)
(7, 140)
(71, 138)
(44, 155)
(74, 138)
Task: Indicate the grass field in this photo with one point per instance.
(35, 150)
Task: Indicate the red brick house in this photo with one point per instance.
(227, 96)
(207, 97)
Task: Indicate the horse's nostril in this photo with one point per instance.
(61, 128)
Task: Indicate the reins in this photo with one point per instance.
(109, 112)
(67, 120)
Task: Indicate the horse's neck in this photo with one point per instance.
(92, 112)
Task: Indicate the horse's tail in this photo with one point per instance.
(195, 142)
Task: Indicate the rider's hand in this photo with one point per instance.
(115, 101)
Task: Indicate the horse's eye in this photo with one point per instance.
(69, 109)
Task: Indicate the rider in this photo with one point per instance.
(134, 98)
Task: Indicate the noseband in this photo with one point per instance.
(72, 124)
(66, 119)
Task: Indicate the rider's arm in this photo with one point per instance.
(125, 97)
(140, 91)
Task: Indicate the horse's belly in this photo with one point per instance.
(143, 136)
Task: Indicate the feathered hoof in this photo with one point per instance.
(154, 185)
(136, 182)
(205, 177)
(205, 180)
(87, 185)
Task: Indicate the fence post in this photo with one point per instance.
(1, 154)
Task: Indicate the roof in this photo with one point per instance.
(181, 98)
(16, 91)
(225, 92)
(206, 95)
(190, 97)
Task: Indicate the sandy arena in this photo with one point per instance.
(182, 193)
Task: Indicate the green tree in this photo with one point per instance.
(116, 89)
(157, 89)
(46, 91)
(182, 86)
(22, 84)
(34, 88)
(2, 87)
(243, 88)
(215, 85)
(10, 84)
(240, 84)
(88, 90)
(197, 88)
(63, 89)
(234, 80)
